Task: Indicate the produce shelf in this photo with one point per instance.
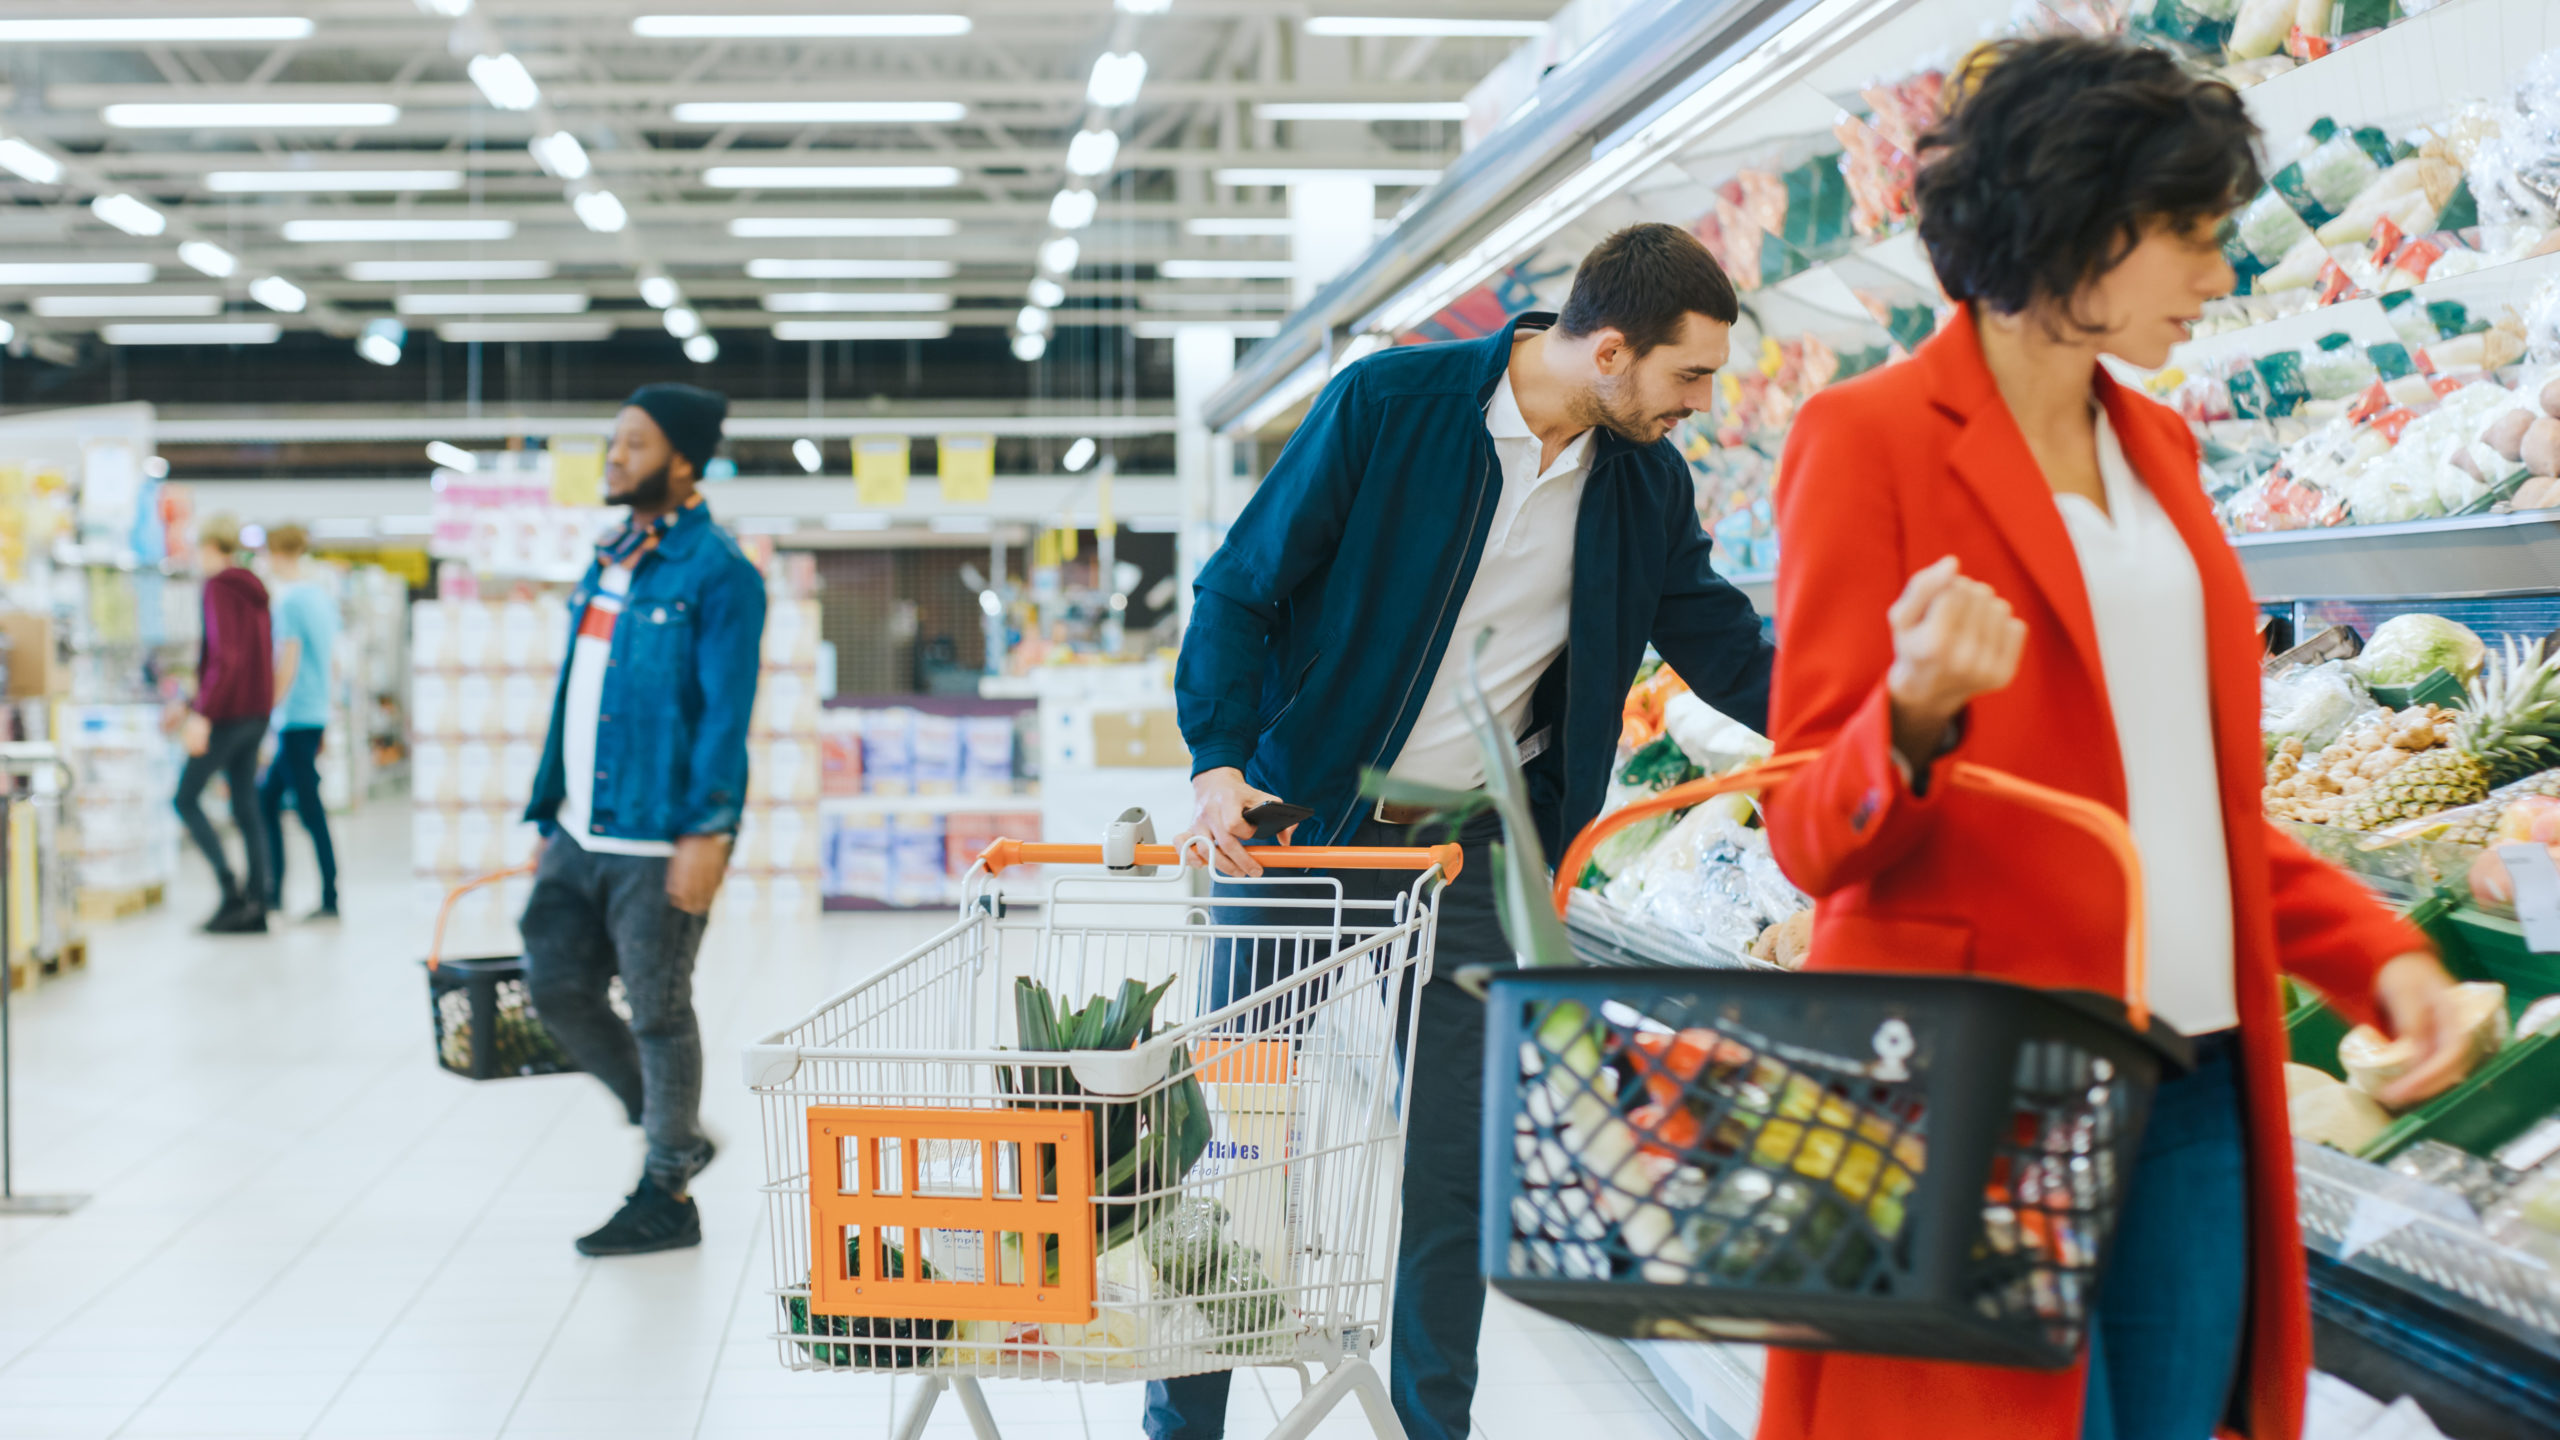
(2366, 1218)
(2471, 555)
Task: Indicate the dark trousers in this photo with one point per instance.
(1439, 1296)
(231, 752)
(2166, 1348)
(594, 916)
(296, 772)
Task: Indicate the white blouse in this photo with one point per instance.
(2148, 603)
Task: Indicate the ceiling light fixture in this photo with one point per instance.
(797, 27)
(1232, 225)
(157, 30)
(276, 182)
(381, 341)
(27, 162)
(1032, 320)
(90, 307)
(1073, 209)
(1048, 292)
(503, 79)
(476, 303)
(838, 227)
(1284, 177)
(599, 211)
(393, 272)
(1078, 455)
(1058, 257)
(449, 9)
(128, 214)
(255, 332)
(560, 155)
(702, 349)
(206, 258)
(501, 331)
(1361, 110)
(657, 291)
(262, 115)
(849, 269)
(77, 272)
(1226, 269)
(819, 112)
(1116, 79)
(1365, 26)
(1027, 348)
(861, 330)
(823, 302)
(1142, 7)
(452, 457)
(277, 293)
(807, 453)
(1093, 152)
(324, 231)
(681, 322)
(831, 177)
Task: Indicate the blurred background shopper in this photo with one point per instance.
(223, 728)
(305, 620)
(1996, 553)
(1520, 482)
(638, 795)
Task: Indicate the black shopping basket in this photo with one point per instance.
(1901, 1164)
(486, 1027)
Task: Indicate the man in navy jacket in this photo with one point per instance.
(1522, 483)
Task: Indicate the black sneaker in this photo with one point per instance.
(248, 917)
(650, 1220)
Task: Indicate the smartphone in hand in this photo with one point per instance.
(1272, 818)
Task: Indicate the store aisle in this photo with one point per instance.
(301, 1227)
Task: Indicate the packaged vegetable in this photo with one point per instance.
(2405, 647)
(2337, 169)
(2314, 705)
(2297, 267)
(2259, 28)
(2269, 228)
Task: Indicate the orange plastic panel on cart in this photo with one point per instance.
(991, 1214)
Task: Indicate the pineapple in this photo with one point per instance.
(2479, 824)
(2506, 734)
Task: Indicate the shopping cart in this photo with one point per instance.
(950, 1203)
(485, 1025)
(1913, 1164)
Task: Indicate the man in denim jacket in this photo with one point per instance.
(638, 796)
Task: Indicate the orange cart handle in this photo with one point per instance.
(435, 947)
(1450, 858)
(2102, 824)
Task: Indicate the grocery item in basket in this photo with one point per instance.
(2327, 1111)
(880, 1343)
(1194, 1257)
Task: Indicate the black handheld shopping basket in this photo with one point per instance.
(485, 1024)
(1901, 1164)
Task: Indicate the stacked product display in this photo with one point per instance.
(482, 677)
(913, 795)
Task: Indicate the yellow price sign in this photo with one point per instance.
(880, 470)
(966, 465)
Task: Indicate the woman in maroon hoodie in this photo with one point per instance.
(235, 689)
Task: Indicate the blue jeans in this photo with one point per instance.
(1439, 1296)
(2166, 1348)
(296, 772)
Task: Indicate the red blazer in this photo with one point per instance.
(1882, 476)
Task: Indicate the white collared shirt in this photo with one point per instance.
(1523, 589)
(2148, 603)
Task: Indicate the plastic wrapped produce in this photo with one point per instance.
(2269, 228)
(2337, 170)
(2404, 648)
(2313, 705)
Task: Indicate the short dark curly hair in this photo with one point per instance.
(2053, 157)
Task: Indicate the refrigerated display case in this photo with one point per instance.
(2378, 407)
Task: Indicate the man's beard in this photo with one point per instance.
(1615, 407)
(649, 493)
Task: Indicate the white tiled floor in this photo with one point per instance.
(301, 1227)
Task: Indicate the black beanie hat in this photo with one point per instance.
(690, 416)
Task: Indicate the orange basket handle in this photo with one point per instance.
(2102, 824)
(435, 947)
(1450, 858)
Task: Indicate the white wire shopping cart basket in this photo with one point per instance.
(948, 1203)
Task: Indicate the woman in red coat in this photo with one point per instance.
(1995, 552)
